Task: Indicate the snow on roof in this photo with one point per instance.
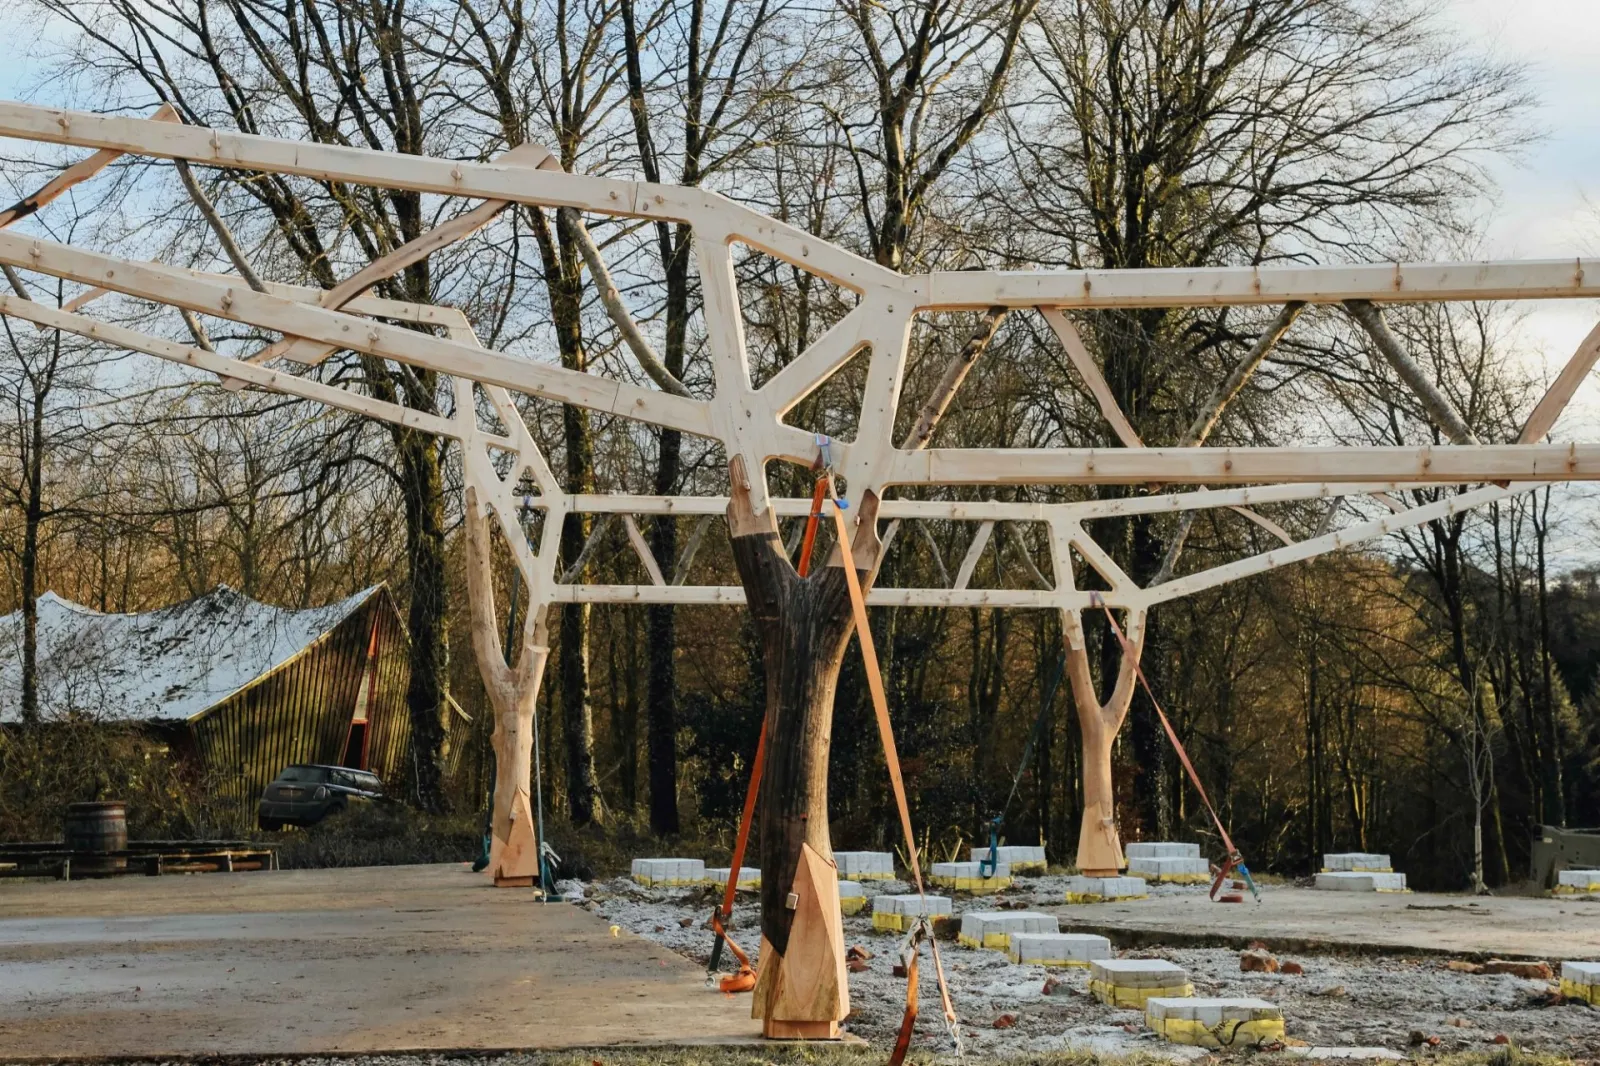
(172, 663)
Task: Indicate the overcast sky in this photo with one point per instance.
(1550, 200)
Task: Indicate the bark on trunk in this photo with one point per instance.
(804, 625)
(426, 622)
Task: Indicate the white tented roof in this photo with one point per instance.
(172, 663)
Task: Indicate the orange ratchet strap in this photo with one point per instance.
(1234, 858)
(880, 704)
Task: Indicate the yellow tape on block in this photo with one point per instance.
(1092, 897)
(1080, 963)
(1181, 879)
(1226, 1035)
(978, 886)
(853, 905)
(1030, 869)
(891, 923)
(1577, 890)
(674, 882)
(1587, 993)
(997, 941)
(1133, 995)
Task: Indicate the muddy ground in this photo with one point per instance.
(1405, 1004)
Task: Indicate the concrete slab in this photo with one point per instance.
(656, 872)
(1084, 890)
(355, 960)
(994, 929)
(1357, 862)
(1215, 1023)
(865, 865)
(1134, 982)
(897, 914)
(1024, 860)
(1304, 920)
(1350, 881)
(969, 877)
(1187, 871)
(1161, 849)
(749, 876)
(1058, 949)
(1581, 980)
(852, 896)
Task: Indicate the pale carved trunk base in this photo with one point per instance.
(804, 993)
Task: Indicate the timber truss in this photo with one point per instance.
(750, 422)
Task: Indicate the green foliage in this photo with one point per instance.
(45, 767)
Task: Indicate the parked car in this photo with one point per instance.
(306, 794)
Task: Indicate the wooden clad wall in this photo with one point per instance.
(298, 713)
(388, 717)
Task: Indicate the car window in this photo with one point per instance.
(303, 773)
(356, 779)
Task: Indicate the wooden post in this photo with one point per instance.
(805, 625)
(513, 693)
(1099, 845)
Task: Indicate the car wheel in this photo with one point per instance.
(269, 825)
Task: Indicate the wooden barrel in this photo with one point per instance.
(96, 827)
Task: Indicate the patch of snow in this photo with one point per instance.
(170, 664)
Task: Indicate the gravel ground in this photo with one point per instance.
(1393, 1002)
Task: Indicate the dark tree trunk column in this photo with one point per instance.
(426, 621)
(804, 625)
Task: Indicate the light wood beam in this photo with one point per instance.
(969, 562)
(1561, 391)
(1067, 333)
(1436, 403)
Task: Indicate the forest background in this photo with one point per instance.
(1433, 696)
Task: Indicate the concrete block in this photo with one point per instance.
(1160, 849)
(749, 876)
(994, 929)
(1214, 1023)
(1058, 949)
(896, 914)
(967, 877)
(1130, 982)
(852, 897)
(1024, 861)
(1105, 889)
(865, 865)
(1365, 862)
(1189, 871)
(1581, 980)
(1359, 1054)
(1349, 881)
(1577, 882)
(657, 872)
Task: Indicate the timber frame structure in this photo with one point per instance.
(805, 622)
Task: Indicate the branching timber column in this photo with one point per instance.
(805, 625)
(513, 693)
(1099, 845)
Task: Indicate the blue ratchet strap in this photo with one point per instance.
(991, 862)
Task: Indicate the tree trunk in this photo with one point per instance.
(583, 783)
(1099, 844)
(426, 621)
(32, 519)
(804, 625)
(514, 695)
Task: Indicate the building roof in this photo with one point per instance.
(174, 663)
